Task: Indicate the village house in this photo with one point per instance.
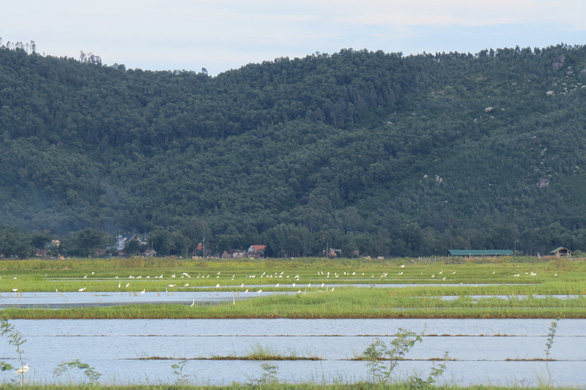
(260, 249)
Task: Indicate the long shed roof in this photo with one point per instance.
(481, 252)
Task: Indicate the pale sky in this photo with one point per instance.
(220, 35)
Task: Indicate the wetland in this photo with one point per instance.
(145, 322)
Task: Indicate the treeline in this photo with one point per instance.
(284, 240)
(367, 152)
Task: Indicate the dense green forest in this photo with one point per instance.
(380, 153)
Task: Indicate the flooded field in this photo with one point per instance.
(494, 352)
(200, 297)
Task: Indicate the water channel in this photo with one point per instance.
(498, 352)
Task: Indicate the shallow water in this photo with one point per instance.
(487, 351)
(63, 299)
(77, 299)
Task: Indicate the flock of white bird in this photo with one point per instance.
(25, 368)
(276, 275)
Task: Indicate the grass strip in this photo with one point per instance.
(342, 303)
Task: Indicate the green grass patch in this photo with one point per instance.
(318, 285)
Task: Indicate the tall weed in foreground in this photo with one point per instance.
(268, 377)
(378, 352)
(550, 337)
(16, 339)
(182, 379)
(416, 382)
(89, 372)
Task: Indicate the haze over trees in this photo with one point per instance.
(373, 152)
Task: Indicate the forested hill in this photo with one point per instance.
(362, 151)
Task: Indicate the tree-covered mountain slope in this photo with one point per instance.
(361, 151)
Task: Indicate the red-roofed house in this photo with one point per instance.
(257, 248)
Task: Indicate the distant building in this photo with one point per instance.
(233, 254)
(122, 240)
(150, 253)
(42, 253)
(561, 252)
(481, 252)
(257, 248)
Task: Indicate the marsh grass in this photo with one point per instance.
(419, 301)
(258, 352)
(348, 302)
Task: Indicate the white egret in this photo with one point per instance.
(143, 291)
(22, 370)
(127, 284)
(82, 289)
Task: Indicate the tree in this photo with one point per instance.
(86, 242)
